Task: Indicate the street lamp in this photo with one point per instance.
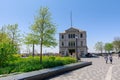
(76, 37)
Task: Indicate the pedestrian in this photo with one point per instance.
(106, 58)
(118, 54)
(111, 59)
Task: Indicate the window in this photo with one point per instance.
(81, 43)
(81, 35)
(68, 35)
(71, 35)
(74, 43)
(62, 52)
(71, 44)
(62, 43)
(62, 36)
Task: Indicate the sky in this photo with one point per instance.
(99, 18)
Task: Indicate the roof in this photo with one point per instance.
(73, 29)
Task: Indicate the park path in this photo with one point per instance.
(99, 70)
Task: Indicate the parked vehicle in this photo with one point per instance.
(91, 55)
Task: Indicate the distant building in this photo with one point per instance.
(69, 39)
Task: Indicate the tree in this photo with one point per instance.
(99, 46)
(45, 29)
(3, 36)
(6, 49)
(32, 39)
(108, 47)
(7, 52)
(116, 44)
(13, 33)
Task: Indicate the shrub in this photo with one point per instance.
(6, 53)
(33, 63)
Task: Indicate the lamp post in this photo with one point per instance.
(76, 37)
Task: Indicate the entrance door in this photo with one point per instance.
(71, 51)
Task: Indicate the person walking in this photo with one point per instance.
(106, 58)
(111, 59)
(118, 54)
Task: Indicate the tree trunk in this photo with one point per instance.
(33, 50)
(101, 53)
(41, 52)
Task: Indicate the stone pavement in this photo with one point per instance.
(99, 70)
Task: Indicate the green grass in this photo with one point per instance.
(31, 64)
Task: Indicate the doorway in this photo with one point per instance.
(71, 51)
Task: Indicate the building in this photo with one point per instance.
(73, 41)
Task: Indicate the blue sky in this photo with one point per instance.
(100, 18)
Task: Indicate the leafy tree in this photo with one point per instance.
(99, 46)
(45, 29)
(6, 49)
(3, 36)
(116, 44)
(31, 39)
(108, 47)
(6, 53)
(13, 33)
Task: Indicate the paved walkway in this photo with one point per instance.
(99, 70)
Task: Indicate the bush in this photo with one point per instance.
(6, 53)
(33, 63)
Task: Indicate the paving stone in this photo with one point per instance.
(96, 71)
